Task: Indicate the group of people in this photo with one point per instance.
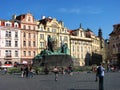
(26, 71)
(56, 71)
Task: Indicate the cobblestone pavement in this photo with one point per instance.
(79, 81)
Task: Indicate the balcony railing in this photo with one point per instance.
(9, 57)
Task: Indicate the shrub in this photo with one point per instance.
(13, 70)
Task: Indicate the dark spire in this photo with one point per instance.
(80, 25)
(100, 32)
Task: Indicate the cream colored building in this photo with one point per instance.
(57, 31)
(84, 43)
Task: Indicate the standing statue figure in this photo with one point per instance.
(50, 44)
(64, 48)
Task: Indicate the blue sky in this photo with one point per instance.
(93, 14)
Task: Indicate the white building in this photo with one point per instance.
(9, 42)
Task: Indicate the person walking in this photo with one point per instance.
(56, 71)
(96, 78)
(100, 72)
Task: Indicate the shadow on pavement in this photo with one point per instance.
(82, 89)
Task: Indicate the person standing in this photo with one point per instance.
(96, 78)
(100, 72)
(56, 71)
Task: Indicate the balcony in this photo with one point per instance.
(8, 57)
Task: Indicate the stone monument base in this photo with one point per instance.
(56, 60)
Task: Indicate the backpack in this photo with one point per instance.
(99, 71)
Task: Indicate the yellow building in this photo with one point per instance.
(48, 26)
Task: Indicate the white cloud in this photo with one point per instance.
(93, 10)
(83, 10)
(73, 10)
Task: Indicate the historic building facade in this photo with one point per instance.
(9, 42)
(86, 47)
(28, 37)
(23, 37)
(114, 42)
(48, 26)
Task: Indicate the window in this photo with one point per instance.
(60, 38)
(7, 53)
(8, 43)
(8, 34)
(48, 29)
(29, 27)
(29, 43)
(73, 49)
(24, 27)
(16, 43)
(41, 44)
(34, 53)
(29, 53)
(53, 30)
(29, 35)
(34, 36)
(8, 24)
(16, 34)
(15, 24)
(29, 18)
(24, 43)
(24, 52)
(65, 38)
(78, 48)
(41, 29)
(16, 53)
(81, 49)
(34, 44)
(41, 36)
(24, 35)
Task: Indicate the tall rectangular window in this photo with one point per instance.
(24, 43)
(16, 53)
(34, 53)
(7, 53)
(41, 36)
(29, 43)
(8, 34)
(29, 27)
(34, 44)
(24, 53)
(29, 53)
(29, 35)
(16, 34)
(8, 43)
(65, 38)
(34, 36)
(41, 44)
(24, 34)
(16, 43)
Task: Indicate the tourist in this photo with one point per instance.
(56, 72)
(100, 72)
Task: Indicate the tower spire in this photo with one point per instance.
(80, 25)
